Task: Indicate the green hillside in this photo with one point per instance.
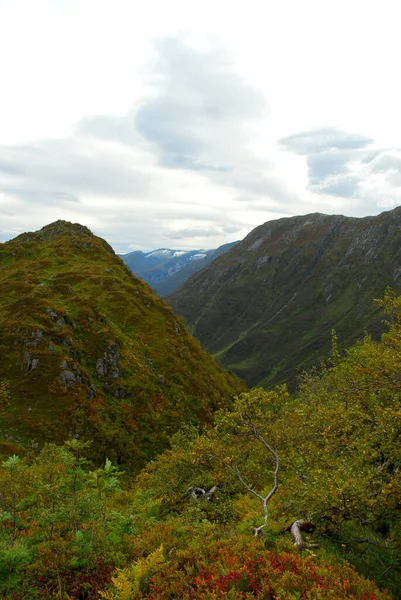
(88, 350)
(266, 308)
(283, 497)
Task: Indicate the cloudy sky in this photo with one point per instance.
(185, 124)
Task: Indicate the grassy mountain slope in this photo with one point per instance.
(87, 349)
(266, 308)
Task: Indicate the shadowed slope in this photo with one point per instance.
(267, 307)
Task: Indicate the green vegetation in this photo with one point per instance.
(88, 350)
(265, 308)
(271, 495)
(329, 455)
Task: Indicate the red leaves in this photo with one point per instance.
(243, 569)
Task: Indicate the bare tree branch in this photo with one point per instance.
(245, 420)
(296, 528)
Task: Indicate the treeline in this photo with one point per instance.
(329, 456)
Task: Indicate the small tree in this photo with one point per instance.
(252, 419)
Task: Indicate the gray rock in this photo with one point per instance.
(72, 352)
(119, 392)
(38, 336)
(68, 377)
(26, 361)
(91, 391)
(109, 364)
(101, 367)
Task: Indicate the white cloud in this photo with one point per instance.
(165, 120)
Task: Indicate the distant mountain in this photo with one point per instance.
(266, 308)
(87, 349)
(174, 281)
(156, 265)
(160, 268)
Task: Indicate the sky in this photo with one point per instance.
(185, 124)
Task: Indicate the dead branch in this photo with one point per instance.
(257, 531)
(296, 528)
(198, 493)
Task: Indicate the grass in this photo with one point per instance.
(69, 286)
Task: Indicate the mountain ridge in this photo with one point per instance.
(271, 302)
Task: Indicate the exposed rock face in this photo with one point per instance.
(108, 365)
(267, 307)
(68, 377)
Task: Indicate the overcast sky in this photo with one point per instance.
(186, 124)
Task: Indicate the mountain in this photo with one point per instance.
(267, 307)
(172, 282)
(88, 350)
(165, 269)
(153, 267)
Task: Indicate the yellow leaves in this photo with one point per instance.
(128, 582)
(121, 585)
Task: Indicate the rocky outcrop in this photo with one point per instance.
(109, 364)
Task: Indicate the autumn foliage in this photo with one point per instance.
(74, 529)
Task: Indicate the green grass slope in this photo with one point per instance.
(266, 308)
(87, 349)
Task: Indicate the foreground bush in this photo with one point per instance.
(238, 568)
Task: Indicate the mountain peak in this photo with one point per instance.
(64, 231)
(56, 229)
(65, 227)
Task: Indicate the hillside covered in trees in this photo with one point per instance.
(183, 484)
(325, 460)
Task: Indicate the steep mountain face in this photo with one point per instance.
(87, 349)
(266, 308)
(165, 269)
(172, 282)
